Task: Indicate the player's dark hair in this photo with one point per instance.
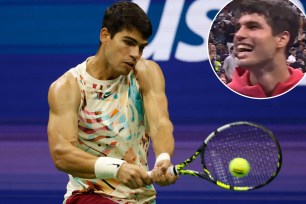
(279, 14)
(126, 15)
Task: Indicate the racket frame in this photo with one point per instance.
(179, 168)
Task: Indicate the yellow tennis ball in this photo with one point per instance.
(239, 167)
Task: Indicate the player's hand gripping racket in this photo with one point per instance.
(247, 140)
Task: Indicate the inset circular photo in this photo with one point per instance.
(257, 48)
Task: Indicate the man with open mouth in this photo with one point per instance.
(266, 29)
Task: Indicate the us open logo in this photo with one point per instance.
(171, 39)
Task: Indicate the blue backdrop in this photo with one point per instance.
(40, 40)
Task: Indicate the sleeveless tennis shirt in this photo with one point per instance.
(111, 122)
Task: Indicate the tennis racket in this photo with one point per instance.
(247, 140)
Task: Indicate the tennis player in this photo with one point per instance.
(104, 112)
(266, 29)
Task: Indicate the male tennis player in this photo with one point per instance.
(266, 30)
(104, 112)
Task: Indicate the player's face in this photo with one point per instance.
(124, 50)
(254, 43)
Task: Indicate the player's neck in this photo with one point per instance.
(98, 69)
(269, 75)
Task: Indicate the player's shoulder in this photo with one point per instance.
(149, 75)
(147, 68)
(66, 81)
(64, 88)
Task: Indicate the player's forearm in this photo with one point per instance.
(162, 138)
(81, 164)
(74, 161)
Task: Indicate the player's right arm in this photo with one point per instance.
(64, 98)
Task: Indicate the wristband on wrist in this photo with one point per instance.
(162, 156)
(107, 167)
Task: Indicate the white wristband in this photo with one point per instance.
(162, 156)
(107, 167)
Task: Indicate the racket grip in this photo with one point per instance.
(170, 170)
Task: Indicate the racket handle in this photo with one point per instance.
(170, 170)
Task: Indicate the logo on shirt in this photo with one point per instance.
(107, 94)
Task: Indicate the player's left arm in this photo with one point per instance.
(152, 85)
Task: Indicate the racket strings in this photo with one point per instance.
(249, 142)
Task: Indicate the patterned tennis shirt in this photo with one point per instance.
(111, 122)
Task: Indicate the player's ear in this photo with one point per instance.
(104, 35)
(282, 39)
